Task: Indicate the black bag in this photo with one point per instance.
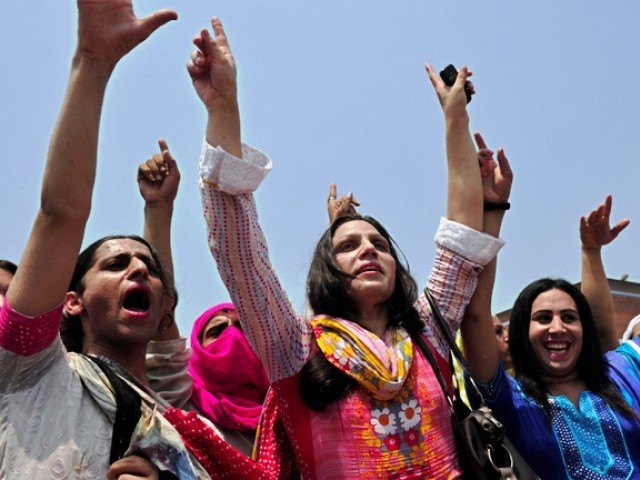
(484, 449)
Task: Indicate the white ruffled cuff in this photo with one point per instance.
(476, 246)
(167, 347)
(231, 174)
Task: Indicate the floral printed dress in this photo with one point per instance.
(403, 430)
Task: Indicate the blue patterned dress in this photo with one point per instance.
(592, 441)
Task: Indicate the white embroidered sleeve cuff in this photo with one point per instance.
(167, 347)
(476, 246)
(231, 174)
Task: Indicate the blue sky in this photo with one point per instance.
(336, 91)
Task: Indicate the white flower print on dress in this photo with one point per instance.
(383, 421)
(410, 414)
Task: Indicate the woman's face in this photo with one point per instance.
(555, 333)
(123, 294)
(364, 254)
(217, 324)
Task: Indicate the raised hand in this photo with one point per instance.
(212, 67)
(452, 99)
(595, 230)
(464, 190)
(158, 180)
(337, 208)
(497, 178)
(108, 29)
(159, 177)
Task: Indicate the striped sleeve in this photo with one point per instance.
(460, 256)
(278, 335)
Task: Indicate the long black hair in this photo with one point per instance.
(590, 366)
(320, 382)
(71, 328)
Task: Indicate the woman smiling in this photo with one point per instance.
(570, 402)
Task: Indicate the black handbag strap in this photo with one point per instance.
(128, 403)
(419, 340)
(455, 351)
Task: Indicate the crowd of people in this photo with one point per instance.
(98, 382)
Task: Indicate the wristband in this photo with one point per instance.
(488, 206)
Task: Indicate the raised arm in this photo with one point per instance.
(595, 232)
(167, 358)
(464, 192)
(230, 171)
(158, 180)
(107, 31)
(480, 347)
(463, 250)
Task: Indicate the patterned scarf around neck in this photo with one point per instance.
(380, 368)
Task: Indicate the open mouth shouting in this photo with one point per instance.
(137, 300)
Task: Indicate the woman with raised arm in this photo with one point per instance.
(219, 376)
(75, 414)
(356, 399)
(570, 403)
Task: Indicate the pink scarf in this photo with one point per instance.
(229, 382)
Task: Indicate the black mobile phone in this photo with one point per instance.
(449, 75)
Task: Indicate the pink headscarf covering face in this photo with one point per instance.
(229, 382)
